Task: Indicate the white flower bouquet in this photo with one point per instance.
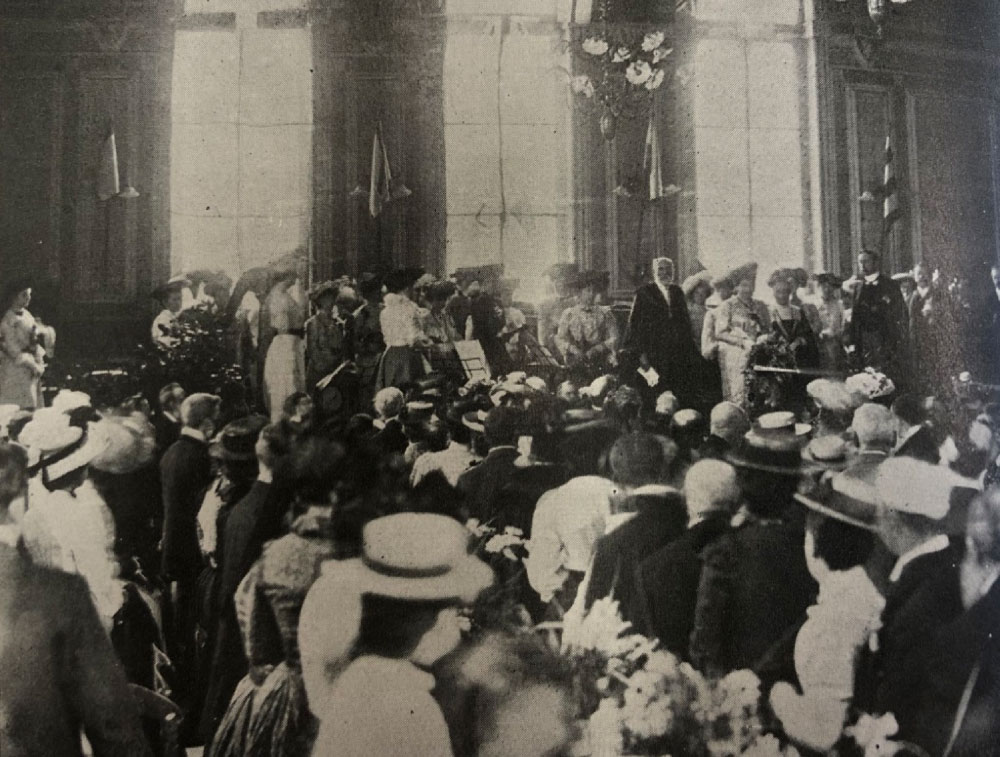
(642, 700)
(871, 384)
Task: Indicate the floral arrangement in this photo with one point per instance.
(641, 700)
(504, 548)
(765, 392)
(870, 384)
(620, 69)
(202, 360)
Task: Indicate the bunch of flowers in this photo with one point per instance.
(871, 384)
(766, 391)
(620, 69)
(509, 543)
(504, 549)
(641, 700)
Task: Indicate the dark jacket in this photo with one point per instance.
(754, 586)
(667, 585)
(662, 331)
(483, 482)
(167, 431)
(920, 446)
(950, 657)
(923, 600)
(391, 439)
(185, 474)
(878, 326)
(58, 669)
(659, 519)
(256, 519)
(522, 490)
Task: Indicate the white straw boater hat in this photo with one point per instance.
(418, 557)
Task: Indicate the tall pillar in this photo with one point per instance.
(749, 82)
(507, 137)
(241, 146)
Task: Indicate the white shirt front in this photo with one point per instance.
(162, 328)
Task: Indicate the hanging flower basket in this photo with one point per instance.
(618, 71)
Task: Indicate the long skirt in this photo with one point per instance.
(732, 364)
(270, 720)
(18, 385)
(284, 372)
(399, 366)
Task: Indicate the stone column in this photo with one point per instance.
(241, 147)
(749, 82)
(507, 137)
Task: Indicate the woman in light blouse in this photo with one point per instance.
(739, 322)
(402, 331)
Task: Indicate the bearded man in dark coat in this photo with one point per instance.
(659, 337)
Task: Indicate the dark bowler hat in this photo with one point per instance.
(237, 440)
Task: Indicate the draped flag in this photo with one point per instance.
(890, 193)
(381, 189)
(651, 161)
(107, 170)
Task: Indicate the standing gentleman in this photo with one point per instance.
(877, 331)
(659, 335)
(185, 473)
(929, 331)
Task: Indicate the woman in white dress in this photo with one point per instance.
(285, 364)
(739, 322)
(22, 357)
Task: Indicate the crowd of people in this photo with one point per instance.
(311, 578)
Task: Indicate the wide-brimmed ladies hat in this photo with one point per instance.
(692, 282)
(174, 283)
(324, 287)
(236, 441)
(124, 444)
(830, 279)
(738, 273)
(67, 400)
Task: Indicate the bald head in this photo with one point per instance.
(728, 421)
(710, 486)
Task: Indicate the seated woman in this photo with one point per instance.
(371, 628)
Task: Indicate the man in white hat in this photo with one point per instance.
(915, 499)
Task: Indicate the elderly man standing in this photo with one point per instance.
(667, 581)
(659, 337)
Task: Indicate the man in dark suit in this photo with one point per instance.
(667, 581)
(916, 500)
(659, 337)
(914, 437)
(185, 474)
(167, 422)
(877, 330)
(59, 671)
(483, 482)
(754, 583)
(639, 463)
(253, 521)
